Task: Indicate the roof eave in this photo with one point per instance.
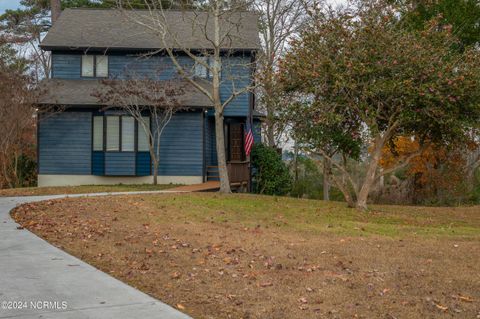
(103, 49)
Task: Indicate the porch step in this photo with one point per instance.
(212, 173)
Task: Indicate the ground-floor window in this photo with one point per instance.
(119, 133)
(142, 135)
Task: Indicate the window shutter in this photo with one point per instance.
(98, 133)
(87, 65)
(142, 136)
(128, 134)
(113, 130)
(102, 66)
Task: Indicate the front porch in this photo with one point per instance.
(238, 164)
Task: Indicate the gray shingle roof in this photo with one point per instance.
(258, 114)
(113, 29)
(80, 93)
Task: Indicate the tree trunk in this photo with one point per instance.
(370, 175)
(345, 191)
(217, 103)
(155, 172)
(221, 158)
(295, 160)
(56, 9)
(270, 132)
(326, 179)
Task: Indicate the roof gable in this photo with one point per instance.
(114, 30)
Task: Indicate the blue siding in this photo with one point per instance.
(235, 75)
(65, 143)
(211, 148)
(153, 67)
(236, 72)
(143, 164)
(120, 163)
(98, 163)
(66, 66)
(181, 146)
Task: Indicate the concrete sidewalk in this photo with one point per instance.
(33, 272)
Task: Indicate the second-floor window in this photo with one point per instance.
(95, 66)
(200, 70)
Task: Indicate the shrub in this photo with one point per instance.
(270, 174)
(27, 171)
(308, 182)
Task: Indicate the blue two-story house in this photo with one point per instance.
(88, 143)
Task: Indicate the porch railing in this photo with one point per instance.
(238, 171)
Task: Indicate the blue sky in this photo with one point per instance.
(8, 4)
(13, 4)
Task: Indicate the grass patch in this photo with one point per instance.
(319, 216)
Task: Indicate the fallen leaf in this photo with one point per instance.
(266, 284)
(180, 306)
(465, 298)
(441, 307)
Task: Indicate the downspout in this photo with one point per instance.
(38, 143)
(204, 161)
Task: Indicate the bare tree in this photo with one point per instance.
(144, 99)
(16, 123)
(216, 24)
(280, 20)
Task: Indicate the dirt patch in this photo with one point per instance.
(218, 265)
(38, 191)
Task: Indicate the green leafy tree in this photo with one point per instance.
(271, 174)
(360, 66)
(319, 134)
(463, 16)
(9, 57)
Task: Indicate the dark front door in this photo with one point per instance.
(235, 136)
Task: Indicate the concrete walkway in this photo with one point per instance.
(33, 272)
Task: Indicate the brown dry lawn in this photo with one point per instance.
(245, 256)
(84, 189)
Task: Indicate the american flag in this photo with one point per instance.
(248, 139)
